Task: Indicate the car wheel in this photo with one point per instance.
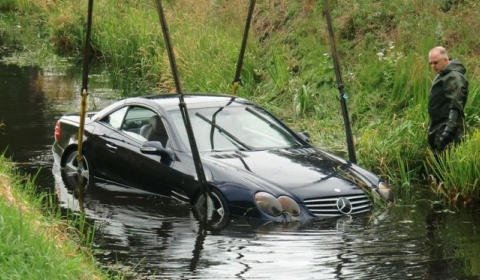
(70, 166)
(220, 213)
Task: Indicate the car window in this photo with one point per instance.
(136, 118)
(234, 128)
(145, 125)
(136, 121)
(115, 119)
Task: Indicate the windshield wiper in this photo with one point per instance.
(235, 141)
(214, 116)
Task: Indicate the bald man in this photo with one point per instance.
(446, 101)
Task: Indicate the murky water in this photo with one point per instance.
(159, 239)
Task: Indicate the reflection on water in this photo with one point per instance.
(31, 101)
(160, 239)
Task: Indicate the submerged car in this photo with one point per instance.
(254, 164)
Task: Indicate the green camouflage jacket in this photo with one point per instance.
(449, 91)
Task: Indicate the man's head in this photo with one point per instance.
(438, 59)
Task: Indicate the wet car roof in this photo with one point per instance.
(171, 101)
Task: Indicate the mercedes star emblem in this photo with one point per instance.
(344, 205)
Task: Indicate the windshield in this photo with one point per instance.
(234, 128)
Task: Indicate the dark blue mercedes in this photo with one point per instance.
(255, 165)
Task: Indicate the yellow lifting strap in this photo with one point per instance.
(235, 88)
(84, 93)
(81, 129)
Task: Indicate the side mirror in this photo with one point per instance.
(304, 136)
(156, 148)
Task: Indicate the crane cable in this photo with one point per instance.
(237, 80)
(341, 88)
(204, 187)
(84, 91)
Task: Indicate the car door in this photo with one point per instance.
(129, 166)
(96, 148)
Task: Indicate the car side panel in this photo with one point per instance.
(129, 166)
(94, 145)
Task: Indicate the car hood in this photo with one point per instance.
(304, 172)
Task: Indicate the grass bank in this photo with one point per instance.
(35, 245)
(383, 47)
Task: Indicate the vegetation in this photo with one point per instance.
(288, 68)
(34, 245)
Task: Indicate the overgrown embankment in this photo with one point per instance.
(383, 49)
(34, 245)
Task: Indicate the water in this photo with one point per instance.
(154, 238)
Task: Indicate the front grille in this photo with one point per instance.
(330, 206)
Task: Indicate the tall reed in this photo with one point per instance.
(33, 244)
(457, 172)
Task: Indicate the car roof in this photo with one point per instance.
(195, 100)
(170, 102)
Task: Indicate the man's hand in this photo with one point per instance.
(443, 140)
(446, 137)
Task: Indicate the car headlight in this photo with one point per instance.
(276, 206)
(289, 205)
(385, 192)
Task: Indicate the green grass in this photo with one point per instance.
(464, 160)
(383, 47)
(34, 245)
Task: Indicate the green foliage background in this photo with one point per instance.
(383, 47)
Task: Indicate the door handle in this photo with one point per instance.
(111, 147)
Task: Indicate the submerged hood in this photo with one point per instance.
(301, 171)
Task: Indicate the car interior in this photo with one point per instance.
(155, 130)
(140, 123)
